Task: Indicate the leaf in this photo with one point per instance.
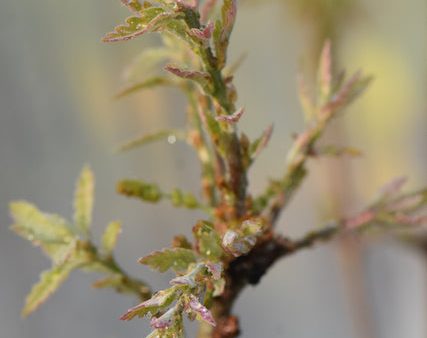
(348, 92)
(133, 5)
(201, 313)
(49, 282)
(261, 143)
(233, 118)
(240, 241)
(332, 150)
(38, 227)
(177, 259)
(324, 73)
(138, 189)
(208, 241)
(180, 241)
(223, 29)
(150, 138)
(181, 199)
(110, 236)
(158, 302)
(191, 278)
(198, 76)
(149, 20)
(166, 320)
(203, 34)
(307, 102)
(83, 200)
(145, 84)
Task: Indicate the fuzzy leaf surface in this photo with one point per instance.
(83, 200)
(177, 259)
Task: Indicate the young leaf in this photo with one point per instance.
(324, 74)
(208, 241)
(49, 282)
(241, 241)
(233, 118)
(152, 137)
(139, 189)
(145, 84)
(177, 259)
(158, 302)
(149, 20)
(38, 227)
(181, 199)
(110, 236)
(83, 200)
(306, 101)
(201, 313)
(200, 77)
(166, 320)
(261, 143)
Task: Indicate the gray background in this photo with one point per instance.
(56, 113)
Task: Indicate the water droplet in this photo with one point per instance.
(172, 139)
(138, 26)
(208, 252)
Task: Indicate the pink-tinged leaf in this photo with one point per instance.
(411, 220)
(203, 34)
(359, 220)
(261, 143)
(406, 203)
(191, 278)
(158, 302)
(345, 95)
(198, 76)
(135, 26)
(215, 269)
(201, 312)
(325, 70)
(165, 321)
(237, 244)
(206, 10)
(233, 118)
(229, 11)
(394, 187)
(307, 102)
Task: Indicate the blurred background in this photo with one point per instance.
(57, 112)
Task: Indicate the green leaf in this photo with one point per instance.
(208, 241)
(38, 227)
(158, 302)
(49, 282)
(223, 29)
(144, 84)
(83, 200)
(138, 189)
(177, 259)
(181, 199)
(152, 137)
(110, 236)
